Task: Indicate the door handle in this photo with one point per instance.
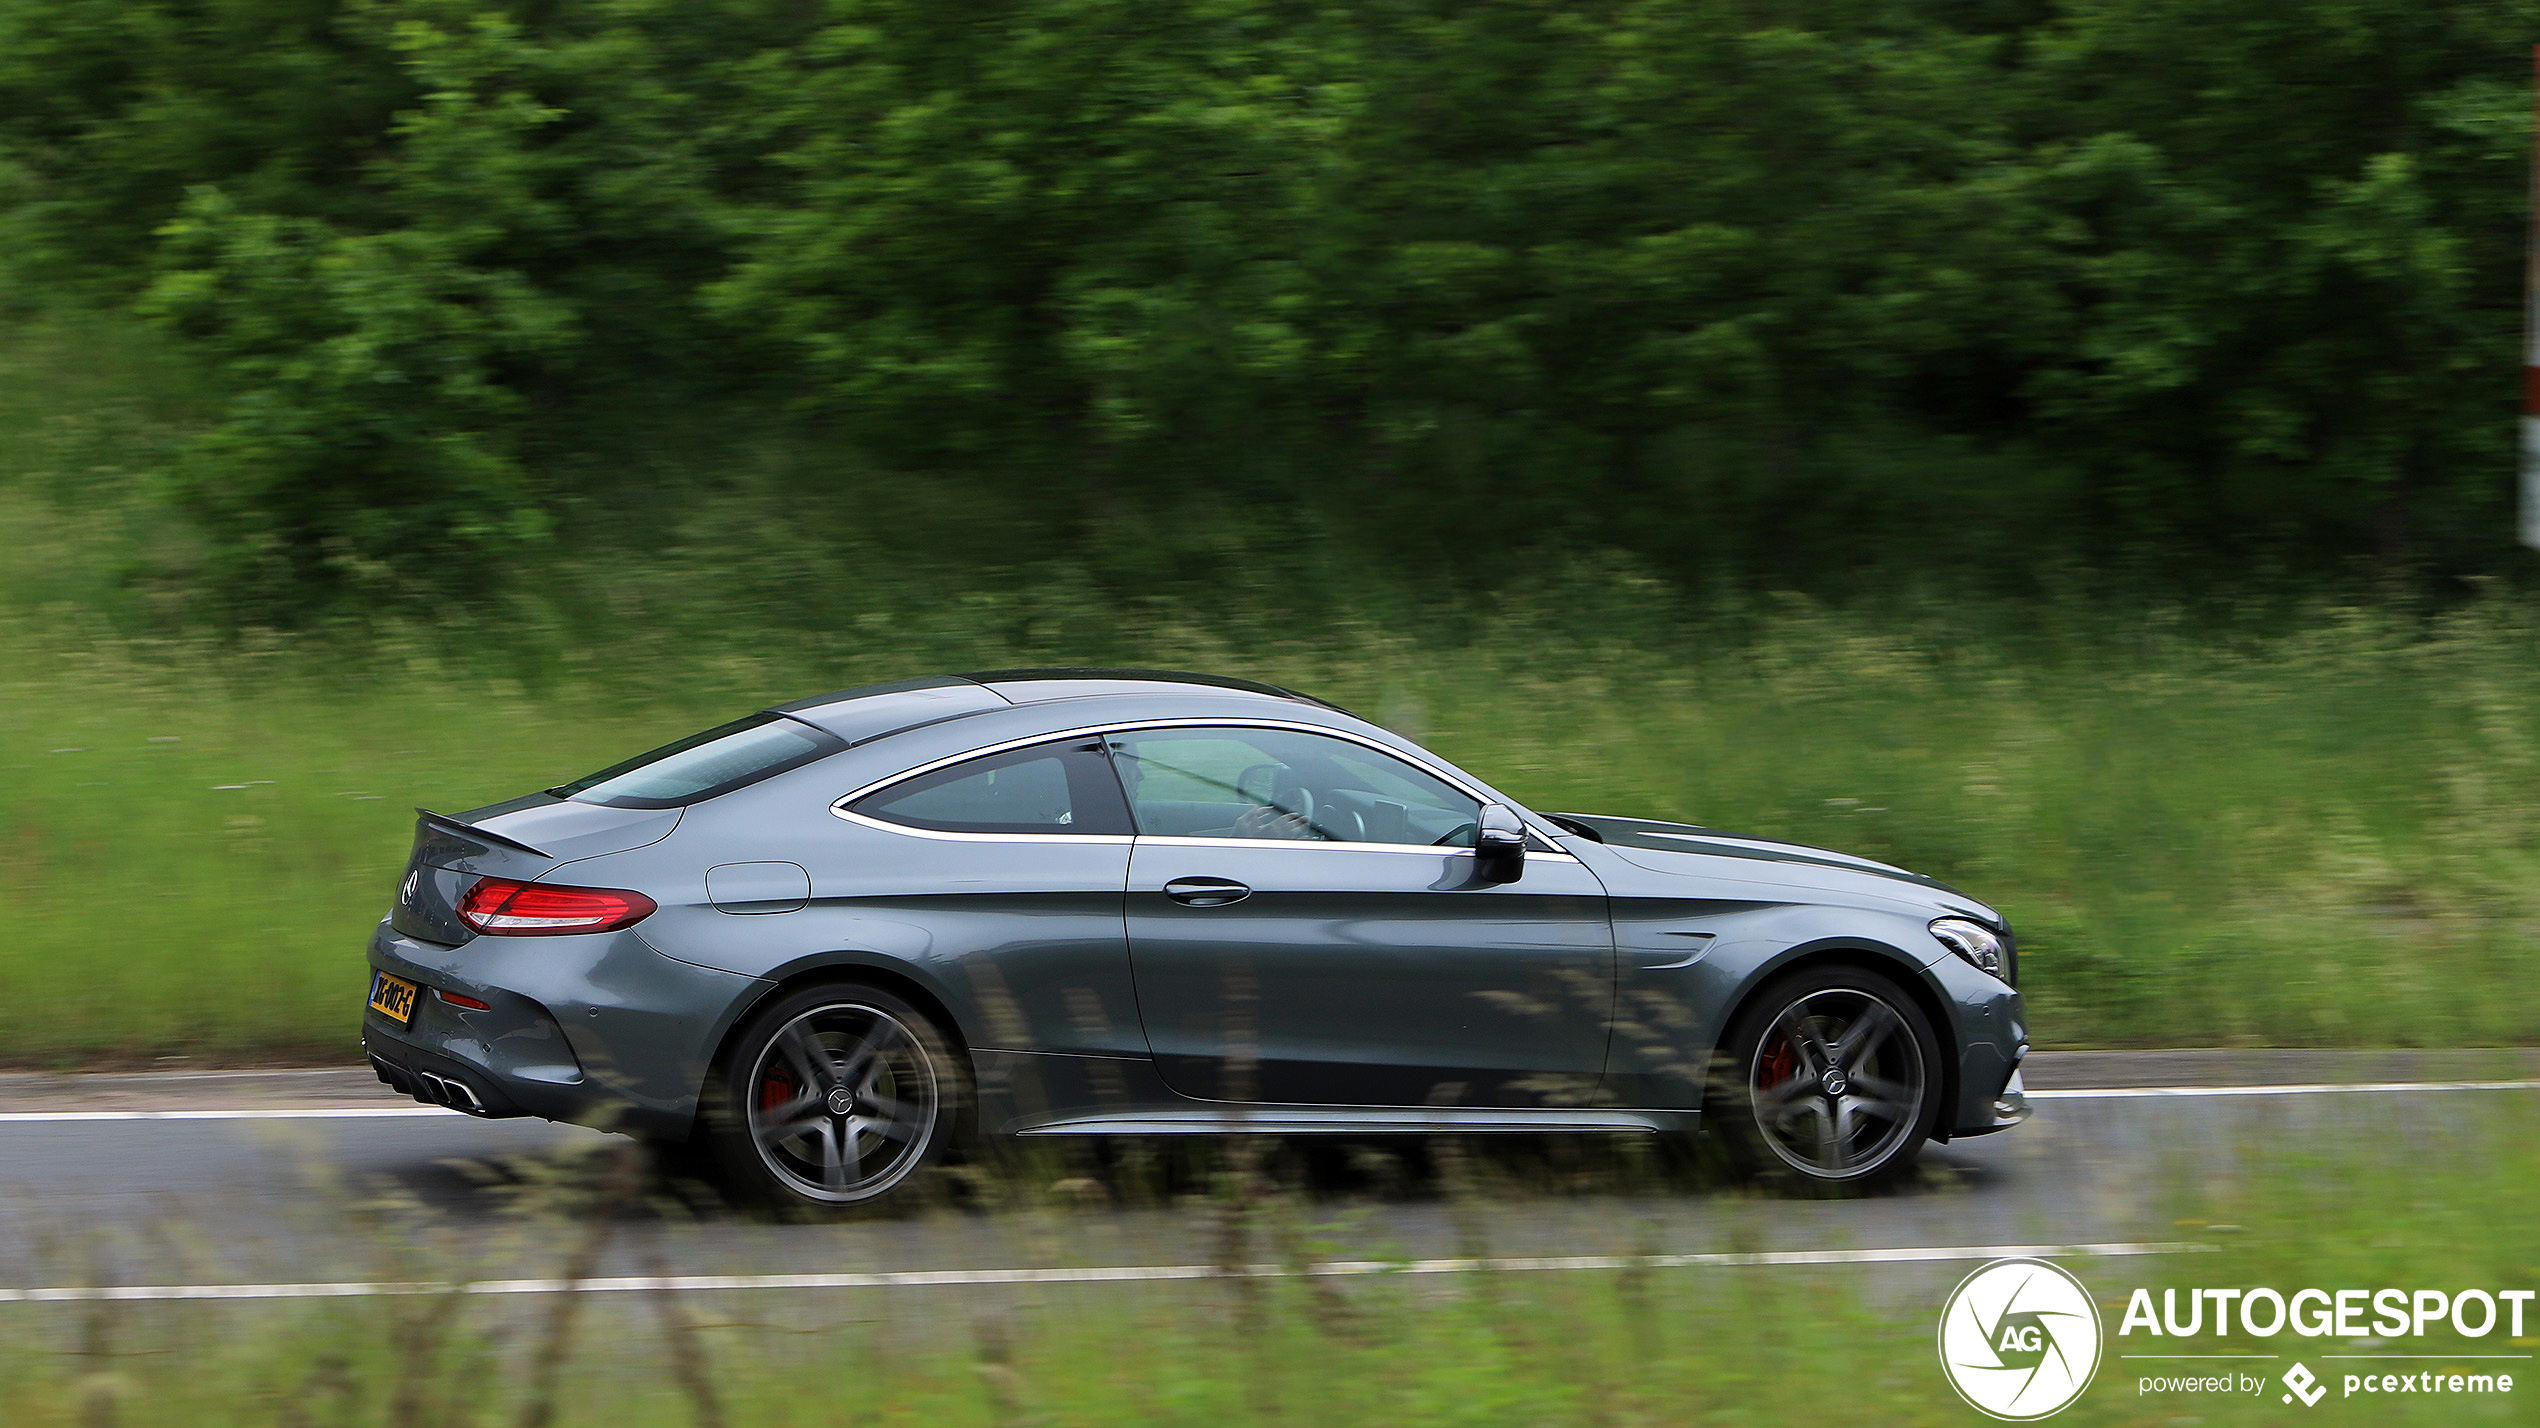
(1206, 892)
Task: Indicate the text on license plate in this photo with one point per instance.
(392, 997)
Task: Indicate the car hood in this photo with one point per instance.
(1682, 848)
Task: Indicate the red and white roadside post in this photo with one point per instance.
(2531, 336)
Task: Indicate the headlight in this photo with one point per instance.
(1979, 944)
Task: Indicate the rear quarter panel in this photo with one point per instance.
(1021, 943)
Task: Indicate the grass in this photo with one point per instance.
(1713, 1345)
(2324, 834)
(2326, 839)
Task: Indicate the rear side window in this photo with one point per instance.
(1062, 789)
(703, 766)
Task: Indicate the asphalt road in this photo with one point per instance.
(288, 1179)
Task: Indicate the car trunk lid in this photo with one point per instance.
(525, 839)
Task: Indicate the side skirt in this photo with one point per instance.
(1360, 1120)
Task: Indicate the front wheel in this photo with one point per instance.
(1830, 1077)
(833, 1096)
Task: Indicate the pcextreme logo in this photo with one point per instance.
(2019, 1339)
(2305, 1384)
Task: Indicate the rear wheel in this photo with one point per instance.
(833, 1096)
(1831, 1079)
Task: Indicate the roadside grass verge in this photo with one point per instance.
(2324, 842)
(2321, 838)
(1754, 1345)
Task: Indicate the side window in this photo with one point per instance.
(1277, 783)
(1065, 788)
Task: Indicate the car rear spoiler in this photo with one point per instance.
(447, 824)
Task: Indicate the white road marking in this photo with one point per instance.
(1100, 1274)
(2321, 1088)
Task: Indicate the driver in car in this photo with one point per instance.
(1265, 820)
(1284, 809)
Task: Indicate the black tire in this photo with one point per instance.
(1829, 1081)
(834, 1097)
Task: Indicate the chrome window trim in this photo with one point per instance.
(1168, 840)
(1447, 776)
(1072, 839)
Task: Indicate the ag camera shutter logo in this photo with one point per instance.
(2019, 1339)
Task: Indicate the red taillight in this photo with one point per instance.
(500, 907)
(456, 1000)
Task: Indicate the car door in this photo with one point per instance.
(1307, 926)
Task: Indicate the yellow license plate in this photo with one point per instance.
(392, 997)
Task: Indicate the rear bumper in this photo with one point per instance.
(510, 1061)
(600, 1031)
(439, 1080)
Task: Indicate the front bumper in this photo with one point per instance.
(1992, 1034)
(2010, 1107)
(600, 1030)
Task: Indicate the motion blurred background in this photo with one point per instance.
(2063, 446)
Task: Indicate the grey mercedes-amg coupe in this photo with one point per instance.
(830, 942)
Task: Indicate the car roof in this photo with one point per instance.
(1032, 686)
(872, 711)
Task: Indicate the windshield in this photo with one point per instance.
(702, 766)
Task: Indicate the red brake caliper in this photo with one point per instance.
(776, 1088)
(1780, 1063)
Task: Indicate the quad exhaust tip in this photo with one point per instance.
(448, 1091)
(430, 1089)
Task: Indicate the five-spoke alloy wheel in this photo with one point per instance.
(833, 1096)
(1831, 1075)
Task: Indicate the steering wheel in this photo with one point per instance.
(1303, 799)
(1296, 816)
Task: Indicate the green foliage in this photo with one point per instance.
(2296, 232)
(1060, 227)
(2118, 283)
(372, 426)
(112, 111)
(2206, 832)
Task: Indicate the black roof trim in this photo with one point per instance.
(867, 691)
(875, 711)
(994, 677)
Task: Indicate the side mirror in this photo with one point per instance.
(1499, 844)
